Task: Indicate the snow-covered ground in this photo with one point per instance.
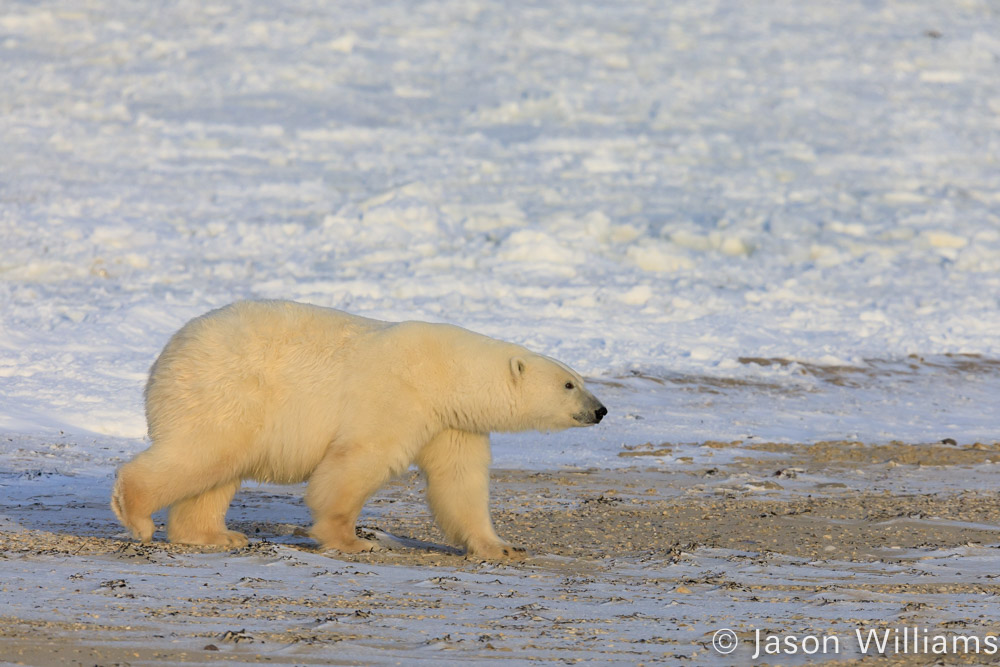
(669, 189)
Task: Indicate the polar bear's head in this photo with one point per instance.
(551, 396)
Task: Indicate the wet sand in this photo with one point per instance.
(632, 566)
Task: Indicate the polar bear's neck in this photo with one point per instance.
(466, 378)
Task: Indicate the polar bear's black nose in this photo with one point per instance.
(599, 414)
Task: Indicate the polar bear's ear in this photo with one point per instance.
(517, 366)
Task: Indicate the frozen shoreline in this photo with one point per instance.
(638, 564)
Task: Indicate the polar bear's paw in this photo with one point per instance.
(231, 538)
(333, 534)
(357, 546)
(495, 551)
(142, 530)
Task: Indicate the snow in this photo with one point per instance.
(638, 189)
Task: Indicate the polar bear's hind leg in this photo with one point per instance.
(201, 519)
(197, 484)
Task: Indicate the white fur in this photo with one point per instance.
(286, 392)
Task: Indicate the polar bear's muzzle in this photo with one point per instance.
(592, 413)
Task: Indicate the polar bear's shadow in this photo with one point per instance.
(397, 543)
(276, 515)
(298, 537)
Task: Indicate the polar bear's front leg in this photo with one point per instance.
(457, 466)
(337, 490)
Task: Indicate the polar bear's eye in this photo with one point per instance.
(569, 385)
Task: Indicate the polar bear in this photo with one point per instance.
(278, 391)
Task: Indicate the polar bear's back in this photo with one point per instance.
(250, 367)
(258, 337)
